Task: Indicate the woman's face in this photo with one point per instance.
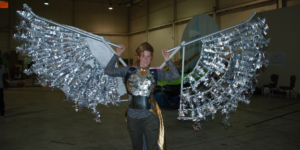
(145, 59)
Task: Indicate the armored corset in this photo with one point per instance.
(141, 85)
(140, 89)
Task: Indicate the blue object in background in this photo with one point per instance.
(160, 99)
(165, 100)
(199, 26)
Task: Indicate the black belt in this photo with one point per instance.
(140, 102)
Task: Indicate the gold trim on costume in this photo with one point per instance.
(161, 139)
(151, 100)
(129, 87)
(143, 71)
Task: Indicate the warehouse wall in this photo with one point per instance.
(164, 21)
(159, 22)
(230, 18)
(134, 42)
(293, 2)
(284, 35)
(90, 16)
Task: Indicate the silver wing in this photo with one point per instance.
(225, 73)
(70, 61)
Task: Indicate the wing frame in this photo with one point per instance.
(188, 103)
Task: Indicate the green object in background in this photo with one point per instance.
(5, 62)
(175, 82)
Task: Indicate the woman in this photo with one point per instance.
(143, 115)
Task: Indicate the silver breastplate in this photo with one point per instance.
(141, 85)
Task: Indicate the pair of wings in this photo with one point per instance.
(74, 61)
(70, 61)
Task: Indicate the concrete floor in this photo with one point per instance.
(36, 118)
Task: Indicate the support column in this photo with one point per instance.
(279, 4)
(174, 19)
(174, 36)
(128, 41)
(215, 10)
(215, 16)
(74, 14)
(147, 25)
(10, 34)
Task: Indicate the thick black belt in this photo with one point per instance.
(140, 102)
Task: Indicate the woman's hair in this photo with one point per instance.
(140, 50)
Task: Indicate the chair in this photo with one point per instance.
(272, 85)
(291, 87)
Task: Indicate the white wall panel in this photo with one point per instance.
(83, 16)
(138, 24)
(160, 39)
(138, 17)
(156, 5)
(190, 8)
(179, 29)
(138, 10)
(104, 20)
(162, 16)
(160, 12)
(293, 2)
(231, 18)
(134, 42)
(95, 17)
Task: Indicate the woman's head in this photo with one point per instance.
(145, 54)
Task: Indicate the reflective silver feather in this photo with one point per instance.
(225, 73)
(62, 59)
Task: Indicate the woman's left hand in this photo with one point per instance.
(165, 54)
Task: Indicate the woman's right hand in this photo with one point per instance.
(119, 51)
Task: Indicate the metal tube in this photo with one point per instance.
(173, 53)
(182, 75)
(113, 44)
(123, 100)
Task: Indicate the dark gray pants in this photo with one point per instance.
(149, 127)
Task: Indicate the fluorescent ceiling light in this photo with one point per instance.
(110, 7)
(46, 2)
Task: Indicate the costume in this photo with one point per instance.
(140, 89)
(74, 61)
